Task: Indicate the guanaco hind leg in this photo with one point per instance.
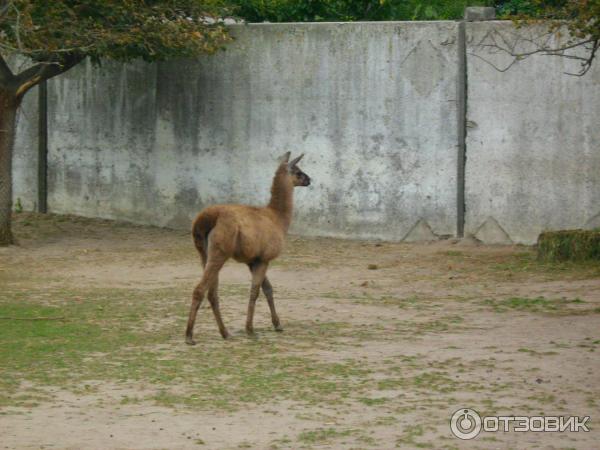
(209, 277)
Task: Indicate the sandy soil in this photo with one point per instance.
(414, 307)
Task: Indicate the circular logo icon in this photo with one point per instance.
(465, 423)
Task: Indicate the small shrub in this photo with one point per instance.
(569, 245)
(18, 206)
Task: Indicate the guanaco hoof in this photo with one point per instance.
(190, 341)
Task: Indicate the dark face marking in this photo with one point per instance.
(299, 177)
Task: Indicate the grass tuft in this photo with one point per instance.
(569, 245)
(540, 305)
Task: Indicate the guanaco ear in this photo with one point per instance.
(285, 157)
(296, 160)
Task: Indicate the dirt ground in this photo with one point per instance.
(383, 342)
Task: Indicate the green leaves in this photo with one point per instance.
(583, 15)
(580, 17)
(117, 29)
(351, 10)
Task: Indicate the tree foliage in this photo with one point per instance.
(55, 35)
(59, 33)
(351, 10)
(119, 29)
(581, 18)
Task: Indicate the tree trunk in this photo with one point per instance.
(8, 115)
(12, 89)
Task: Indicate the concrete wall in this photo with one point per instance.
(25, 167)
(373, 106)
(25, 164)
(533, 142)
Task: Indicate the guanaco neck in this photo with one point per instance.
(282, 196)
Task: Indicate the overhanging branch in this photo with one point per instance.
(43, 71)
(541, 46)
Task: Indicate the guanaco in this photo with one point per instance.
(248, 234)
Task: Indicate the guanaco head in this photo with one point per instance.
(298, 177)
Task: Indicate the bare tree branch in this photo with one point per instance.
(43, 71)
(541, 46)
(587, 63)
(540, 49)
(513, 62)
(33, 53)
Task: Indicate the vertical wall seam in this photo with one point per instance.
(43, 147)
(461, 94)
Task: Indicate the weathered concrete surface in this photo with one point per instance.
(371, 104)
(25, 163)
(533, 141)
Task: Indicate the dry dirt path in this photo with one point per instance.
(382, 343)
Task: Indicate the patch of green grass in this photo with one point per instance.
(412, 302)
(49, 351)
(373, 401)
(589, 344)
(569, 245)
(538, 305)
(123, 335)
(285, 440)
(409, 437)
(536, 353)
(438, 325)
(432, 381)
(324, 435)
(366, 440)
(543, 398)
(526, 263)
(127, 400)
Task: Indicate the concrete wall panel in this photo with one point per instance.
(533, 142)
(25, 161)
(371, 104)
